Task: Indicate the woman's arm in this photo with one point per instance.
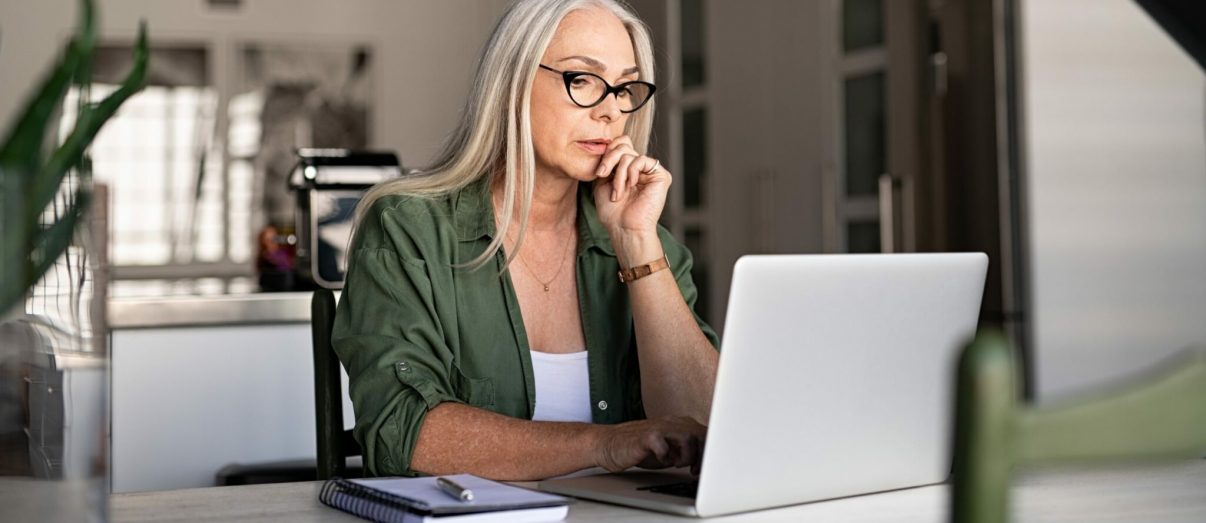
(678, 363)
(457, 438)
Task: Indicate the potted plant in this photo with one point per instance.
(30, 180)
(52, 429)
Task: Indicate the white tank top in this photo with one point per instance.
(562, 387)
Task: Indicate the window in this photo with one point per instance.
(196, 169)
(170, 205)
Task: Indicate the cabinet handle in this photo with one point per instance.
(888, 185)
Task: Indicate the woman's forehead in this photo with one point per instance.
(593, 38)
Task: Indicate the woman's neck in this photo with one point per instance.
(554, 202)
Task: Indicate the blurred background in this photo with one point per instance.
(1065, 138)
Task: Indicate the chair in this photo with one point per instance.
(335, 444)
(1162, 416)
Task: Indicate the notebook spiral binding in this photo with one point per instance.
(367, 503)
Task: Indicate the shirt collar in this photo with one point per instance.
(473, 214)
(472, 211)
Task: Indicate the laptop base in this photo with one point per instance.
(624, 488)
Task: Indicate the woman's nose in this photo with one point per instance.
(608, 109)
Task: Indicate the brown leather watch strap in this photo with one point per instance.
(641, 271)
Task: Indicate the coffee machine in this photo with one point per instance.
(329, 184)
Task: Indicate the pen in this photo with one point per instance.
(454, 490)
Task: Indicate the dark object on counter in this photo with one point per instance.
(286, 471)
(276, 260)
(328, 184)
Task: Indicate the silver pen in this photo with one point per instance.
(452, 489)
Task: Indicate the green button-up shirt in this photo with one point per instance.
(414, 331)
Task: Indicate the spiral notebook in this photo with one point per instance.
(413, 500)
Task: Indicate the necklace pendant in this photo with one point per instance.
(546, 288)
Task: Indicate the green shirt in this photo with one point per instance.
(413, 331)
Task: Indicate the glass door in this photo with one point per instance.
(873, 143)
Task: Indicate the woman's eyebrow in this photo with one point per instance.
(599, 65)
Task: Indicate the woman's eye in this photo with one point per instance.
(579, 82)
(624, 93)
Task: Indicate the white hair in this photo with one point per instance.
(494, 135)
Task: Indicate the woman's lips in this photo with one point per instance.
(593, 147)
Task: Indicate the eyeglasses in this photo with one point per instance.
(589, 90)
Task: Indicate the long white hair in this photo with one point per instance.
(494, 135)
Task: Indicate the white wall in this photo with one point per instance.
(1114, 126)
(424, 50)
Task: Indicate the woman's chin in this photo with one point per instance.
(584, 174)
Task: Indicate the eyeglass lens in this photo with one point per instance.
(587, 90)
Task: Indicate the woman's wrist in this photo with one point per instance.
(636, 247)
(596, 437)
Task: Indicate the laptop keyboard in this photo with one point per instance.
(685, 489)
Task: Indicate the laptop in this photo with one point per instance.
(836, 379)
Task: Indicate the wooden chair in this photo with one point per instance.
(1160, 416)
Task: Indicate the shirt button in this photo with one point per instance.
(403, 366)
(602, 405)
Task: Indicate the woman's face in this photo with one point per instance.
(569, 139)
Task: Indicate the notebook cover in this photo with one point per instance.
(421, 496)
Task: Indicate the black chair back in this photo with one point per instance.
(335, 444)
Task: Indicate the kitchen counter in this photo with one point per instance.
(210, 310)
(184, 364)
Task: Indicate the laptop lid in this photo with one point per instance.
(836, 376)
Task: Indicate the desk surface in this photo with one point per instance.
(1166, 493)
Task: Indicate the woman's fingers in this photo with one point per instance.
(653, 444)
(641, 170)
(617, 149)
(689, 452)
(623, 174)
(683, 445)
(627, 168)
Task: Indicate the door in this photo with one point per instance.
(874, 150)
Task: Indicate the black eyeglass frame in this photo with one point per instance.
(569, 76)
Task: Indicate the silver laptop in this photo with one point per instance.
(836, 379)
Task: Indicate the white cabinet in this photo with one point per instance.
(189, 400)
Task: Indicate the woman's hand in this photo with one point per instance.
(653, 444)
(630, 189)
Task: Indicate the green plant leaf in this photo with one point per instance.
(30, 249)
(86, 127)
(86, 37)
(13, 255)
(52, 241)
(23, 144)
(21, 149)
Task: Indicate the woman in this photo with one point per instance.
(459, 362)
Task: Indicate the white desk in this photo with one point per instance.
(1151, 494)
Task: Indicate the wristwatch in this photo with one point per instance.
(641, 271)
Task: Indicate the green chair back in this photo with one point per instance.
(1162, 415)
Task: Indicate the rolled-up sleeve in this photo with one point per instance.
(388, 336)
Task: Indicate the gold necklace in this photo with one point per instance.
(560, 265)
